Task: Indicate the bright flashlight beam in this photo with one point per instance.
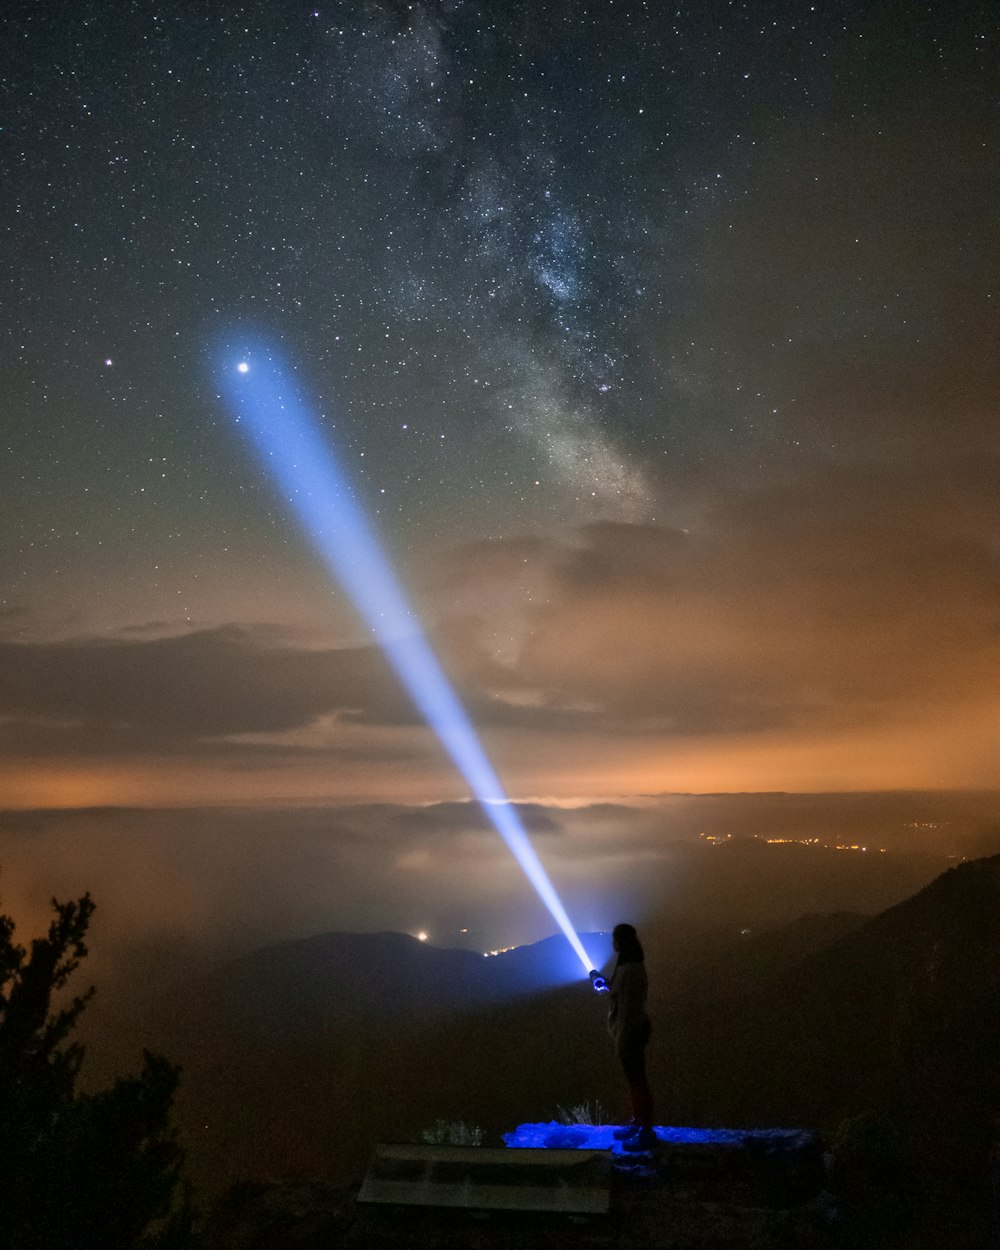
(276, 421)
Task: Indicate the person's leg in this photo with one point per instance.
(633, 1059)
(627, 1059)
(643, 1138)
(642, 1104)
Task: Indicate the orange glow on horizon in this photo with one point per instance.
(952, 753)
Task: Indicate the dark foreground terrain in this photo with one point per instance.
(881, 1034)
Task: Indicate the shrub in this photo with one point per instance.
(79, 1171)
(582, 1113)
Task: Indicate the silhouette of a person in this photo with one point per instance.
(630, 1030)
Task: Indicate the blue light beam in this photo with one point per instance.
(275, 420)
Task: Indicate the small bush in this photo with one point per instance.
(582, 1113)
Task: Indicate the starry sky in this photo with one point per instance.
(658, 339)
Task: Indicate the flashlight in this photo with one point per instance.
(598, 982)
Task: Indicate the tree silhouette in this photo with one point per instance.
(77, 1171)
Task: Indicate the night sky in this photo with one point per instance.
(659, 339)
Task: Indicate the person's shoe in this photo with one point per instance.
(641, 1142)
(626, 1131)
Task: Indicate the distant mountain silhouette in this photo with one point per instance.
(332, 981)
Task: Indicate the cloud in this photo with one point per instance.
(830, 613)
(834, 601)
(195, 685)
(470, 817)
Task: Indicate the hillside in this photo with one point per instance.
(903, 1009)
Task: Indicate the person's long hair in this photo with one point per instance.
(629, 947)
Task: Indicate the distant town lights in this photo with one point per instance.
(721, 839)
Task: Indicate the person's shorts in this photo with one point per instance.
(632, 1053)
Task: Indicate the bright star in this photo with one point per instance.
(243, 367)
